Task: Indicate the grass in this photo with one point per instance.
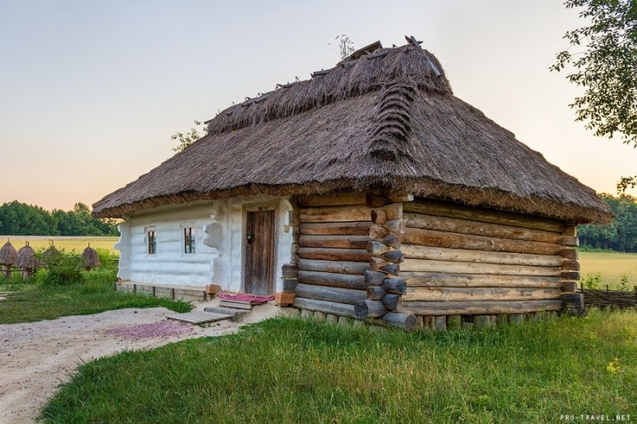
(290, 370)
(30, 302)
(617, 270)
(78, 244)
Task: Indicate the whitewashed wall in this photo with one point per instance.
(219, 249)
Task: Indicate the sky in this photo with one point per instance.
(91, 92)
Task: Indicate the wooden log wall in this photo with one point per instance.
(460, 260)
(349, 255)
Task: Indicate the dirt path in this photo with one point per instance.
(36, 357)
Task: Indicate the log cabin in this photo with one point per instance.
(369, 191)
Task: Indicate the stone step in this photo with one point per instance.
(237, 314)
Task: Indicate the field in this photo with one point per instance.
(617, 270)
(67, 243)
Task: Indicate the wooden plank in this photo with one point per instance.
(481, 307)
(454, 210)
(347, 255)
(471, 242)
(334, 308)
(353, 268)
(412, 251)
(463, 226)
(330, 294)
(435, 279)
(338, 242)
(336, 214)
(332, 280)
(452, 294)
(335, 228)
(423, 265)
(332, 199)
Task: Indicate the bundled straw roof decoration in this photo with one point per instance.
(90, 258)
(26, 258)
(384, 119)
(8, 254)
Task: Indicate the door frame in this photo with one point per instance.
(272, 205)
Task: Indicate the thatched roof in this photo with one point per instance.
(384, 119)
(90, 258)
(8, 254)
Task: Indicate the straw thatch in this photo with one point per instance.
(385, 120)
(51, 254)
(26, 258)
(90, 259)
(8, 254)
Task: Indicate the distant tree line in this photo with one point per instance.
(21, 219)
(619, 235)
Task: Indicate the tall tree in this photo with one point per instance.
(606, 69)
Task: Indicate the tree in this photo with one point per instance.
(188, 138)
(607, 70)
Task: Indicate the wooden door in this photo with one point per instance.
(259, 263)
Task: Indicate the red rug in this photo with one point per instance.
(245, 297)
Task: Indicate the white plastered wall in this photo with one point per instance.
(219, 243)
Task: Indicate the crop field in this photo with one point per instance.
(77, 244)
(617, 270)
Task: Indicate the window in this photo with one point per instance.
(189, 240)
(151, 238)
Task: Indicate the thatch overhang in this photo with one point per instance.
(382, 120)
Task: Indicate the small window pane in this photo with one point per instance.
(152, 242)
(189, 240)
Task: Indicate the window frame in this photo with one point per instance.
(151, 241)
(189, 239)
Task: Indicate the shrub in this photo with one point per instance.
(63, 269)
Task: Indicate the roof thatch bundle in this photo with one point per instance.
(90, 259)
(26, 258)
(384, 119)
(8, 254)
(51, 254)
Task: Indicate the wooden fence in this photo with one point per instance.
(610, 298)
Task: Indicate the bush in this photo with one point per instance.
(63, 269)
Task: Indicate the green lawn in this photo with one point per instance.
(295, 371)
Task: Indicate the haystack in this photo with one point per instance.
(50, 254)
(90, 259)
(27, 261)
(8, 256)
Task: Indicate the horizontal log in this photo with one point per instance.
(570, 275)
(393, 256)
(374, 278)
(332, 280)
(481, 307)
(332, 199)
(392, 269)
(341, 309)
(289, 285)
(338, 242)
(394, 285)
(340, 267)
(471, 242)
(569, 286)
(374, 200)
(377, 232)
(369, 309)
(392, 241)
(395, 226)
(392, 301)
(377, 248)
(352, 255)
(424, 265)
(393, 211)
(400, 320)
(412, 251)
(335, 228)
(336, 214)
(378, 216)
(570, 265)
(375, 292)
(569, 253)
(463, 226)
(435, 279)
(452, 294)
(454, 210)
(330, 294)
(375, 264)
(570, 241)
(570, 230)
(400, 196)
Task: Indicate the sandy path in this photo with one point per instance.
(36, 357)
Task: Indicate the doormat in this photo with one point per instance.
(245, 297)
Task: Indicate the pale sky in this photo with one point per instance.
(90, 92)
